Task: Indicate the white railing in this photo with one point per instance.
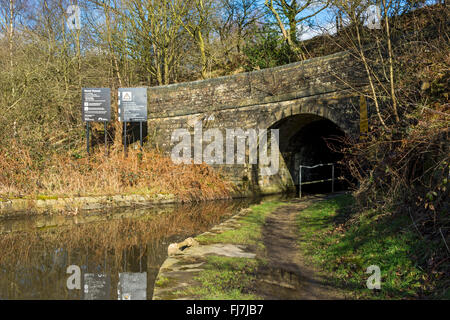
(300, 183)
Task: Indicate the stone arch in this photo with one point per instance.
(293, 108)
(304, 136)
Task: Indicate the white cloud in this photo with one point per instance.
(308, 32)
(305, 32)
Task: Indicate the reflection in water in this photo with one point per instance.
(96, 286)
(132, 286)
(119, 253)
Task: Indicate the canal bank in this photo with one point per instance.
(278, 248)
(72, 205)
(51, 205)
(252, 255)
(321, 247)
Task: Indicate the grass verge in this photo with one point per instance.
(249, 232)
(344, 243)
(225, 278)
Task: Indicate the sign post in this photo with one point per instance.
(87, 137)
(133, 108)
(125, 138)
(106, 140)
(96, 107)
(140, 134)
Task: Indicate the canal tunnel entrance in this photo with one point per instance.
(309, 140)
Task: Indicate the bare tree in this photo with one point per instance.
(290, 11)
(154, 30)
(195, 19)
(8, 13)
(239, 18)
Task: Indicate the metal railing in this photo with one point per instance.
(300, 183)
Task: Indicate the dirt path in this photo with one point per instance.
(287, 275)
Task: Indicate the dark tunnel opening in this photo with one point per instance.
(309, 140)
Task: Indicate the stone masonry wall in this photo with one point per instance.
(320, 86)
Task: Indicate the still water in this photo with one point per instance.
(117, 254)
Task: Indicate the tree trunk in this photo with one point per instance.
(292, 29)
(201, 46)
(11, 33)
(391, 63)
(369, 76)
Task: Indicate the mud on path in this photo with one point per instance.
(287, 276)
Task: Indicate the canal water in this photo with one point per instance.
(103, 255)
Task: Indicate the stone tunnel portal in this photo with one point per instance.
(308, 140)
